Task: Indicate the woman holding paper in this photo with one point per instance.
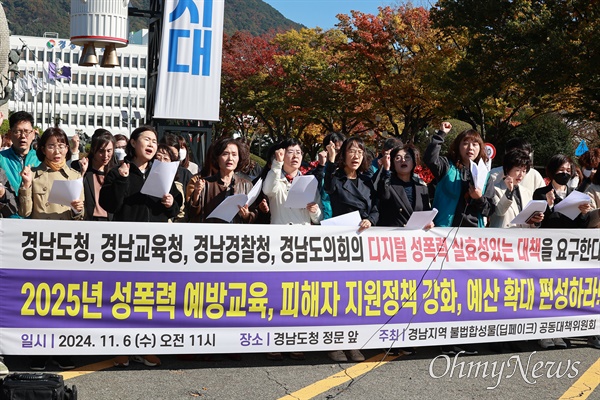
(348, 187)
(34, 193)
(94, 168)
(400, 190)
(510, 197)
(560, 169)
(457, 198)
(285, 167)
(203, 195)
(121, 192)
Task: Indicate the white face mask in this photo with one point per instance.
(587, 172)
(182, 154)
(120, 154)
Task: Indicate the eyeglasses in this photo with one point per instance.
(401, 158)
(24, 133)
(291, 153)
(60, 147)
(354, 152)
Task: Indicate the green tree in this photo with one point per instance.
(548, 135)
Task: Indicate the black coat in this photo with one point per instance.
(554, 219)
(394, 207)
(346, 197)
(121, 196)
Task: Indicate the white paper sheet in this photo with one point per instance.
(570, 205)
(161, 177)
(350, 219)
(480, 172)
(420, 219)
(302, 191)
(64, 192)
(229, 207)
(531, 208)
(253, 194)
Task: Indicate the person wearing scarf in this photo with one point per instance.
(99, 161)
(53, 151)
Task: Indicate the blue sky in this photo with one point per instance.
(313, 13)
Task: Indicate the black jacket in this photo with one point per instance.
(346, 197)
(554, 219)
(121, 196)
(394, 207)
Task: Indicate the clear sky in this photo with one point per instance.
(321, 13)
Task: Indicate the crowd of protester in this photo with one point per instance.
(385, 190)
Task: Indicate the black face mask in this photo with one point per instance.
(562, 178)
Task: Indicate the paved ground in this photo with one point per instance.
(532, 373)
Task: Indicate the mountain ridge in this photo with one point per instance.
(254, 16)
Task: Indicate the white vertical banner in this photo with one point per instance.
(189, 72)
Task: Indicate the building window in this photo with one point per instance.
(116, 121)
(40, 55)
(91, 120)
(126, 62)
(101, 100)
(107, 120)
(134, 81)
(109, 101)
(76, 58)
(57, 98)
(38, 118)
(100, 80)
(117, 81)
(31, 54)
(134, 62)
(92, 79)
(92, 99)
(67, 58)
(48, 97)
(74, 119)
(117, 101)
(83, 79)
(143, 83)
(99, 120)
(109, 80)
(65, 98)
(49, 56)
(74, 99)
(143, 62)
(40, 98)
(65, 119)
(142, 102)
(75, 78)
(126, 81)
(82, 99)
(82, 119)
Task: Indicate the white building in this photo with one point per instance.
(95, 97)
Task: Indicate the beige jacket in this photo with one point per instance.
(34, 201)
(506, 210)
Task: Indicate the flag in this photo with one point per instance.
(58, 72)
(20, 88)
(581, 149)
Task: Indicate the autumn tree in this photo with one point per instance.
(395, 54)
